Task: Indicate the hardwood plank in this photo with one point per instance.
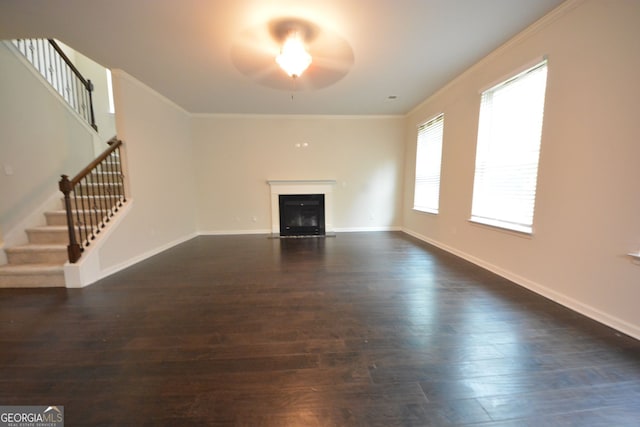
(364, 329)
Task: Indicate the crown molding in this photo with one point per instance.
(532, 29)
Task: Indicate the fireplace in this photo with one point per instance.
(303, 188)
(302, 215)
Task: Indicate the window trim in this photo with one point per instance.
(523, 230)
(514, 73)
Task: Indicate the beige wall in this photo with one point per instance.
(587, 208)
(236, 155)
(41, 138)
(160, 174)
(96, 73)
(98, 76)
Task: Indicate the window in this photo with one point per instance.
(508, 150)
(428, 160)
(112, 108)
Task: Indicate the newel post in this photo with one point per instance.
(74, 248)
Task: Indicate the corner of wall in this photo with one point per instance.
(88, 268)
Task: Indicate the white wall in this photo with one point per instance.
(236, 155)
(159, 164)
(587, 209)
(41, 139)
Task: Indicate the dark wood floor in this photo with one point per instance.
(368, 329)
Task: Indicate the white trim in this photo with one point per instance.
(155, 251)
(232, 232)
(87, 269)
(320, 186)
(297, 116)
(425, 211)
(430, 119)
(515, 73)
(301, 182)
(569, 302)
(125, 76)
(495, 224)
(366, 229)
(499, 229)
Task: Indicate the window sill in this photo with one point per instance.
(496, 226)
(425, 211)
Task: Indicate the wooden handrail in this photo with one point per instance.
(73, 68)
(91, 166)
(92, 197)
(86, 82)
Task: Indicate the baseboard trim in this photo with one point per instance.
(232, 232)
(114, 269)
(366, 229)
(569, 302)
(155, 251)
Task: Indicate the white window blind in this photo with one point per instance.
(508, 150)
(428, 161)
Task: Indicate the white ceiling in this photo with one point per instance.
(182, 48)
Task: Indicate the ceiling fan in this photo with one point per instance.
(255, 51)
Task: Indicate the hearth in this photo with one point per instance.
(302, 215)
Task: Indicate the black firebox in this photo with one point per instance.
(302, 215)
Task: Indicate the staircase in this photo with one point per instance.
(40, 262)
(95, 200)
(91, 198)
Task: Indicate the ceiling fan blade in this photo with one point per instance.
(255, 50)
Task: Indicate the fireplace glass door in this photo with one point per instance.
(302, 214)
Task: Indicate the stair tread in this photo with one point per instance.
(45, 228)
(63, 212)
(36, 247)
(99, 183)
(97, 196)
(31, 268)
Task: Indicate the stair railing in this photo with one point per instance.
(54, 65)
(92, 198)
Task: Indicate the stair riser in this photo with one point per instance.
(114, 178)
(56, 237)
(57, 219)
(32, 280)
(90, 201)
(91, 206)
(99, 190)
(37, 257)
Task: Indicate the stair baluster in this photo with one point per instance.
(54, 65)
(90, 198)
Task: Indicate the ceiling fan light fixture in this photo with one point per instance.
(293, 57)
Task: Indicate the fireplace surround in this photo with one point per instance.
(301, 188)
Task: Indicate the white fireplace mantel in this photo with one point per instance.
(322, 186)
